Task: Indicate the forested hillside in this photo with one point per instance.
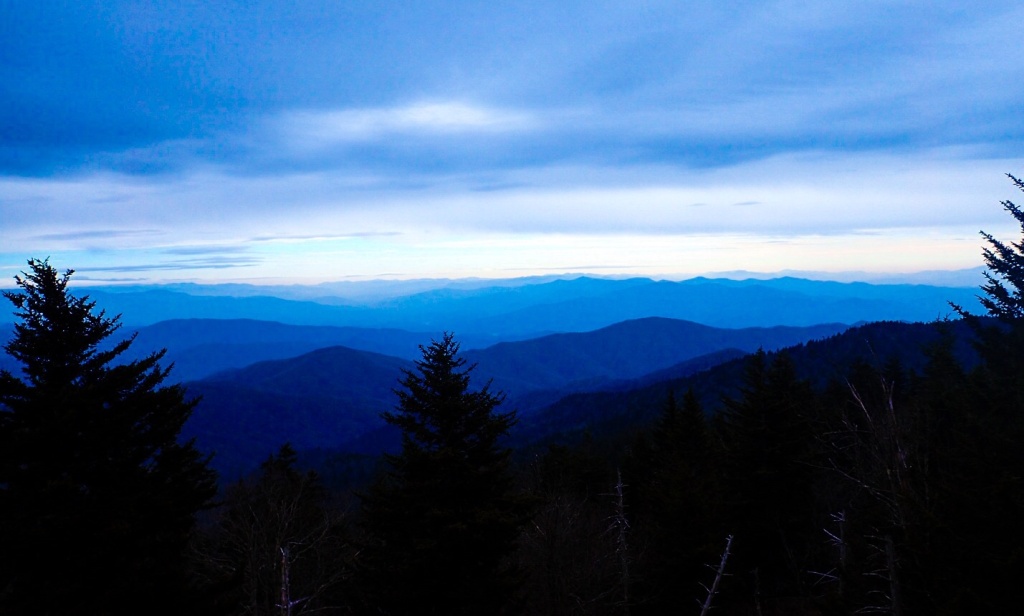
(897, 348)
(332, 398)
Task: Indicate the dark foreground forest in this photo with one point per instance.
(894, 489)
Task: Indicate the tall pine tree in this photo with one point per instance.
(674, 472)
(996, 413)
(769, 474)
(444, 519)
(97, 496)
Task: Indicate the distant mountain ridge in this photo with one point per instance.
(572, 305)
(201, 347)
(623, 351)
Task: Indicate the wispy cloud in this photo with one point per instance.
(117, 279)
(97, 234)
(590, 267)
(321, 237)
(205, 250)
(322, 129)
(178, 265)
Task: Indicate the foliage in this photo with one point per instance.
(994, 424)
(278, 541)
(568, 552)
(675, 475)
(770, 451)
(999, 344)
(1004, 286)
(443, 520)
(97, 496)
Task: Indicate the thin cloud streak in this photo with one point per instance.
(322, 128)
(99, 234)
(179, 265)
(204, 250)
(320, 237)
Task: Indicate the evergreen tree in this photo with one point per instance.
(97, 496)
(674, 472)
(1004, 287)
(999, 345)
(770, 447)
(444, 519)
(996, 416)
(946, 565)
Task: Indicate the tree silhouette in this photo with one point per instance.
(1004, 287)
(97, 496)
(280, 540)
(769, 468)
(995, 418)
(674, 471)
(444, 518)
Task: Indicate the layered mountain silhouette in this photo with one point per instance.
(824, 361)
(336, 394)
(317, 369)
(624, 351)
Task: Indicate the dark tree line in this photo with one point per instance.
(887, 492)
(890, 491)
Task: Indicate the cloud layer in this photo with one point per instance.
(447, 138)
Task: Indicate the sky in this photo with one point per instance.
(305, 141)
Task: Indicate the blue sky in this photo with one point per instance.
(307, 141)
